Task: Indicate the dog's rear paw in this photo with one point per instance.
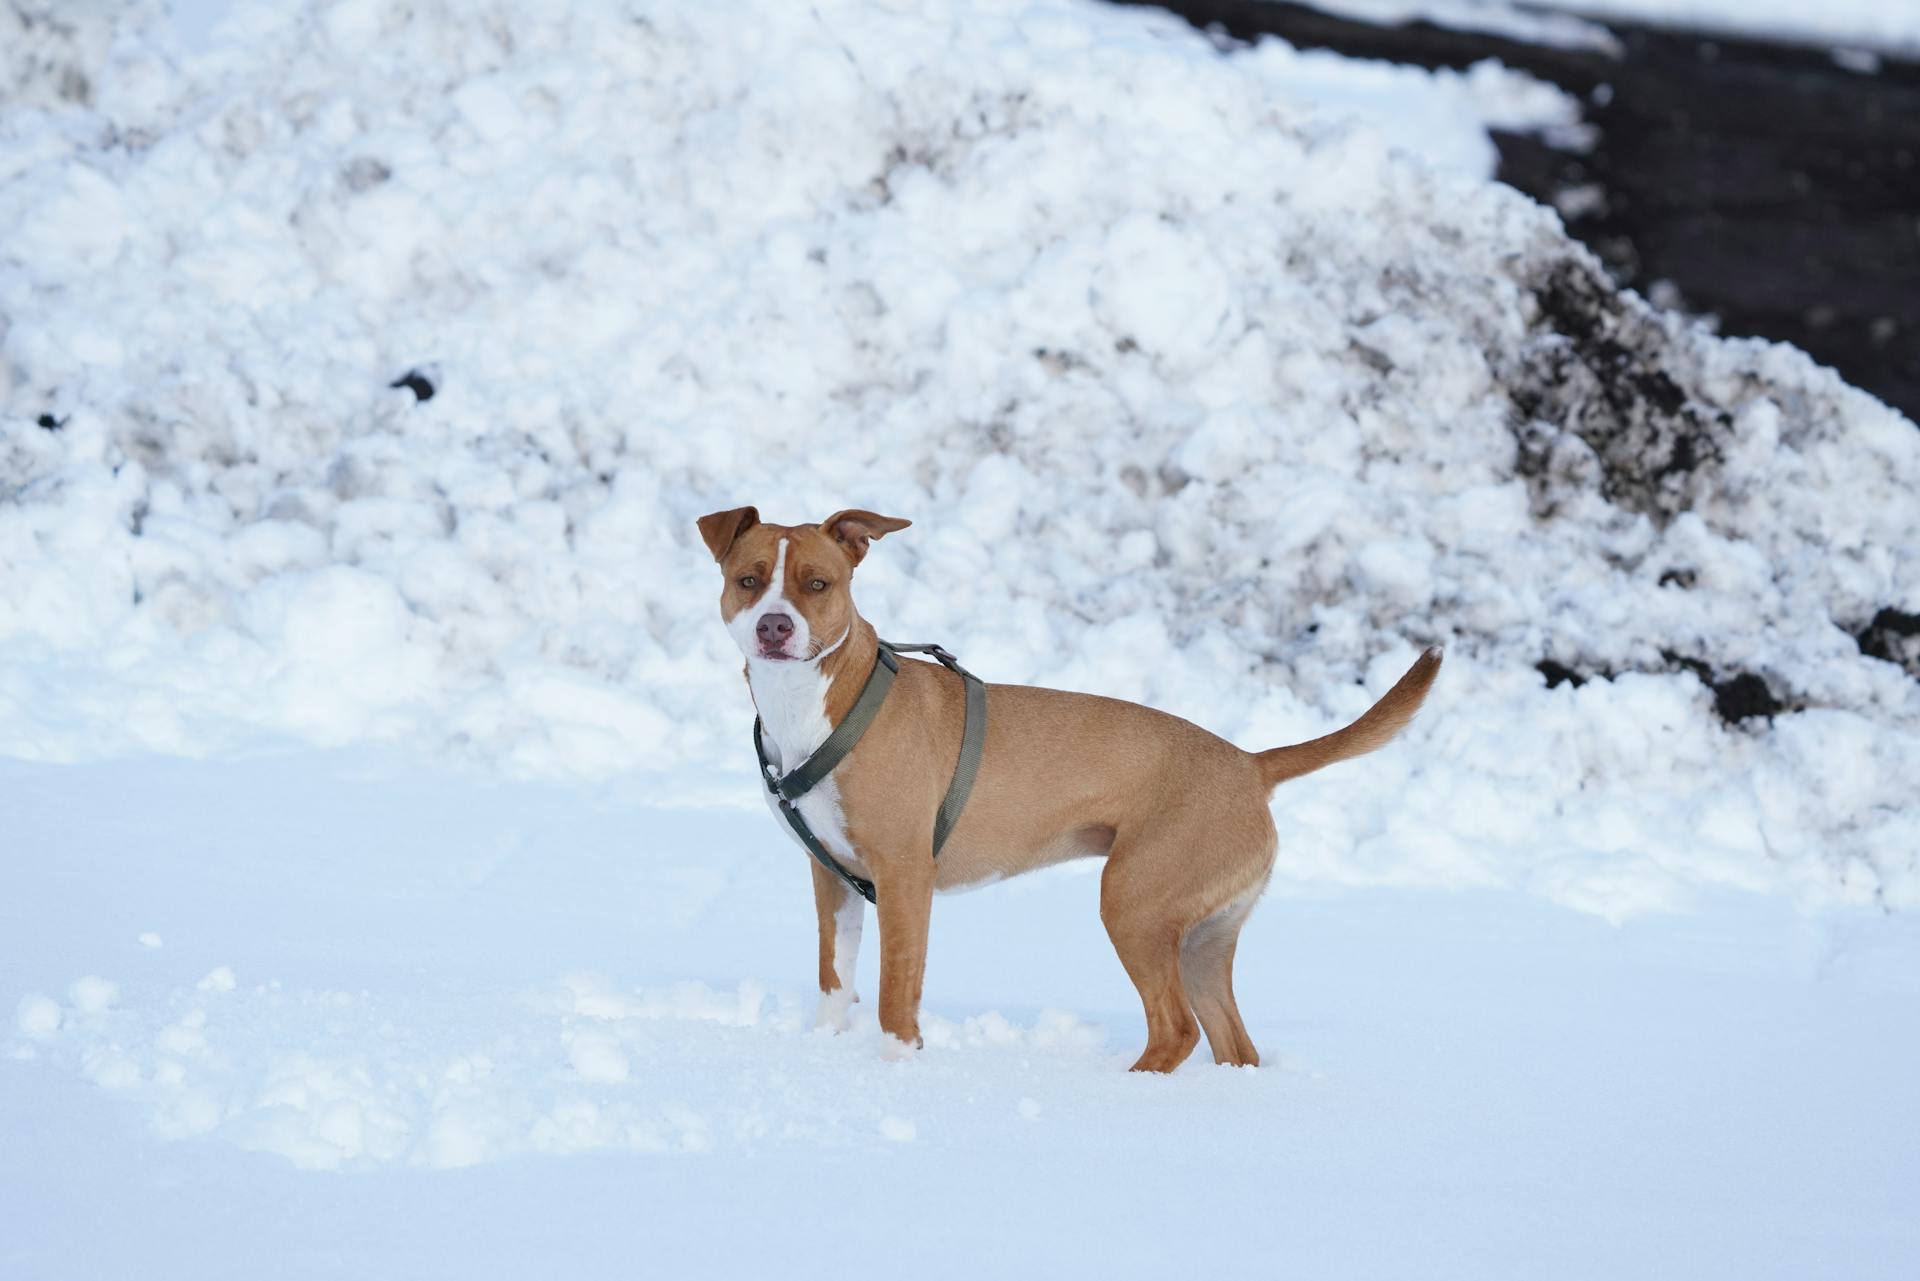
(893, 1049)
(833, 1012)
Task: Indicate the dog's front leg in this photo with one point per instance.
(841, 912)
(904, 908)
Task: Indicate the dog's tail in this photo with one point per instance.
(1374, 730)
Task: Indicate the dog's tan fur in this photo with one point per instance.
(1180, 814)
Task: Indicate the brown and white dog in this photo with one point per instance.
(1180, 814)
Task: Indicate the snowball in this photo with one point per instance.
(37, 1017)
(597, 1056)
(1161, 289)
(92, 994)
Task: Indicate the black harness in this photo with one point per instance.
(790, 787)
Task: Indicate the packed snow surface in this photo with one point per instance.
(1530, 23)
(1885, 25)
(1889, 25)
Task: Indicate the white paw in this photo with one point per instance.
(835, 1009)
(893, 1049)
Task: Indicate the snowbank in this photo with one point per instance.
(1196, 395)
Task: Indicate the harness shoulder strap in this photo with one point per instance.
(973, 741)
(790, 787)
(807, 775)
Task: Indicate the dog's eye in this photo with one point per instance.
(817, 585)
(749, 582)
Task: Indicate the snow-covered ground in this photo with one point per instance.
(384, 884)
(546, 1030)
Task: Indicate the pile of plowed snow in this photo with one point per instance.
(1195, 395)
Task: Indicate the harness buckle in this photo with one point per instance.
(770, 775)
(947, 660)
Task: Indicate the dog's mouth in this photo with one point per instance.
(776, 654)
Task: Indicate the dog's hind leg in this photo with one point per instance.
(1145, 925)
(1206, 966)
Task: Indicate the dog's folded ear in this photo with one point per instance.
(720, 529)
(853, 528)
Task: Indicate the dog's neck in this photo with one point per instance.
(800, 702)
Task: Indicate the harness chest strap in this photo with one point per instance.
(796, 783)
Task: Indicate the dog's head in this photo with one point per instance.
(786, 594)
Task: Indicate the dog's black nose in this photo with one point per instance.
(773, 629)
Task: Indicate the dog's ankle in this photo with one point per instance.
(895, 1048)
(835, 1009)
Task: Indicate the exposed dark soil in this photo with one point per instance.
(1737, 696)
(1895, 637)
(416, 382)
(1591, 392)
(1768, 184)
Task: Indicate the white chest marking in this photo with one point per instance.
(791, 697)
